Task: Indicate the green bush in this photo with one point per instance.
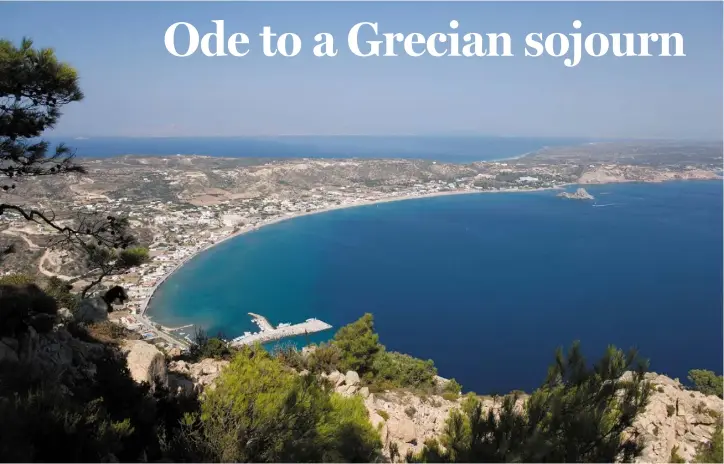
(133, 256)
(706, 382)
(358, 344)
(402, 370)
(262, 412)
(356, 347)
(209, 347)
(452, 386)
(326, 357)
(288, 355)
(579, 414)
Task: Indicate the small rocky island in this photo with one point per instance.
(580, 194)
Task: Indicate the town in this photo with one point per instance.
(181, 205)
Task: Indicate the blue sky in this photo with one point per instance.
(134, 87)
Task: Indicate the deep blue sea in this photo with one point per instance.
(486, 285)
(457, 149)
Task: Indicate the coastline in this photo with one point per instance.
(144, 306)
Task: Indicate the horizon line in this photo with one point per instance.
(359, 1)
(409, 135)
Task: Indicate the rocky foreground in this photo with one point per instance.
(675, 416)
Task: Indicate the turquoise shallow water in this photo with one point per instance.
(486, 285)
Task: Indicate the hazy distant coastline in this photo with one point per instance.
(455, 149)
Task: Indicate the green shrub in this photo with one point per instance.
(383, 414)
(450, 396)
(580, 414)
(401, 370)
(282, 416)
(358, 344)
(452, 386)
(209, 347)
(133, 256)
(288, 355)
(326, 357)
(706, 382)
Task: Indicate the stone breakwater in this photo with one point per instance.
(267, 335)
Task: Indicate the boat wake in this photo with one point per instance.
(601, 206)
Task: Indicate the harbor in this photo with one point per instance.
(268, 333)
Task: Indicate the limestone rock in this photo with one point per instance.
(336, 378)
(201, 374)
(307, 350)
(427, 422)
(65, 315)
(56, 352)
(145, 362)
(351, 378)
(691, 423)
(402, 429)
(92, 310)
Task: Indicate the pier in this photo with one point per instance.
(261, 321)
(267, 332)
(173, 329)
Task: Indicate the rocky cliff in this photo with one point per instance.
(674, 417)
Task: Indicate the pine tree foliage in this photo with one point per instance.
(34, 87)
(579, 414)
(358, 344)
(262, 412)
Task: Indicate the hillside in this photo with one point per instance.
(78, 387)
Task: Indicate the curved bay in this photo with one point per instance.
(485, 285)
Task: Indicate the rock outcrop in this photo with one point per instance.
(96, 309)
(145, 362)
(54, 352)
(408, 420)
(345, 384)
(675, 417)
(194, 378)
(580, 194)
(92, 310)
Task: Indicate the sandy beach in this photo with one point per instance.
(246, 230)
